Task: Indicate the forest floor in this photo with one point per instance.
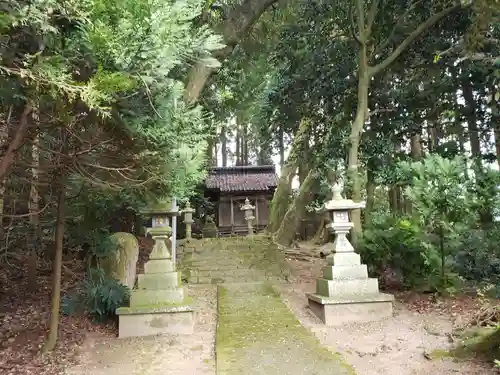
(397, 345)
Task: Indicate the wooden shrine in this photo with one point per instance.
(228, 187)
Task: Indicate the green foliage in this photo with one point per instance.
(439, 244)
(477, 257)
(98, 296)
(400, 245)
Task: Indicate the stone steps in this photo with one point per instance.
(225, 260)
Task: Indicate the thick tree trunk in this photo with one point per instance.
(56, 275)
(291, 221)
(416, 146)
(237, 24)
(304, 167)
(279, 203)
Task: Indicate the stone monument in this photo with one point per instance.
(122, 264)
(248, 208)
(188, 219)
(159, 304)
(346, 293)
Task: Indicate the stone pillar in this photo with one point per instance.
(346, 293)
(248, 208)
(188, 219)
(159, 304)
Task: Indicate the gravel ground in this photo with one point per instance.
(393, 346)
(168, 354)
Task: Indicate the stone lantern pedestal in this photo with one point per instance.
(346, 293)
(159, 303)
(248, 209)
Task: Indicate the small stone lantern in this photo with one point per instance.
(346, 293)
(162, 213)
(188, 219)
(248, 209)
(338, 209)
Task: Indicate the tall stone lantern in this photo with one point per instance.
(188, 219)
(159, 303)
(248, 209)
(346, 293)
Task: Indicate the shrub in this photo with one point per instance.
(397, 244)
(98, 296)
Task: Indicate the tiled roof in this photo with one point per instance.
(242, 178)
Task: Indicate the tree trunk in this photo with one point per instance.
(281, 145)
(370, 192)
(470, 115)
(279, 203)
(321, 235)
(238, 144)
(4, 141)
(223, 145)
(56, 276)
(291, 221)
(416, 146)
(237, 24)
(9, 156)
(495, 124)
(354, 179)
(304, 167)
(244, 144)
(34, 208)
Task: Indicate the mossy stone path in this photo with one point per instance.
(258, 334)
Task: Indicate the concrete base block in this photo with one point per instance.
(133, 322)
(335, 311)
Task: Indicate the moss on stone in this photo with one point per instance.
(187, 301)
(438, 354)
(257, 333)
(480, 341)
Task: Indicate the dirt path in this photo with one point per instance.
(394, 346)
(159, 355)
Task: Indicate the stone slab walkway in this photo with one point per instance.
(258, 334)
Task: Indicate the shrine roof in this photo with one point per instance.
(242, 178)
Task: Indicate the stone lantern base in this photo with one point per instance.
(346, 294)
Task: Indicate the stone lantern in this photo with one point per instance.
(159, 303)
(248, 209)
(346, 293)
(188, 219)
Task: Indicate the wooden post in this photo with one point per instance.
(232, 215)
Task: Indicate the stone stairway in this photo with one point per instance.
(231, 260)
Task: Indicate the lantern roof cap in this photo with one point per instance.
(161, 207)
(338, 202)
